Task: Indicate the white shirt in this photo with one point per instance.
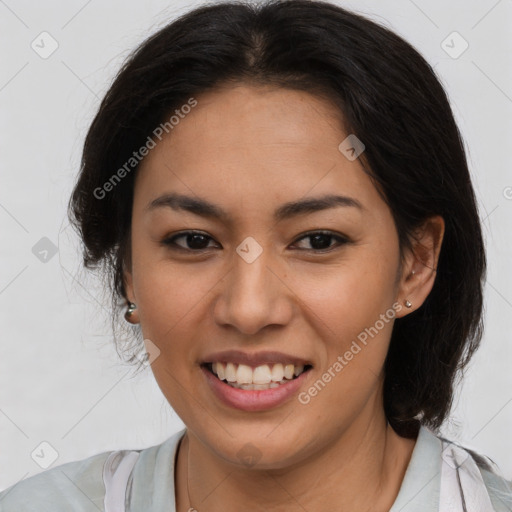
(440, 477)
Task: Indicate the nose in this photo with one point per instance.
(254, 295)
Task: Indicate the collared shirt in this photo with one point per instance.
(440, 477)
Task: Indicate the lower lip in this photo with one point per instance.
(252, 399)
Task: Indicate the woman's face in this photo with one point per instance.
(254, 289)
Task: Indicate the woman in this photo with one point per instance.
(310, 376)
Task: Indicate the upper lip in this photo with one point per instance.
(255, 358)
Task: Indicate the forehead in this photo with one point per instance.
(259, 116)
(251, 145)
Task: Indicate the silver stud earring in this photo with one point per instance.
(131, 308)
(408, 304)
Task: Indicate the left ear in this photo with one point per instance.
(419, 266)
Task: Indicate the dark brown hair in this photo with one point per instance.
(388, 96)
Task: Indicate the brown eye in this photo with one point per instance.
(321, 240)
(193, 241)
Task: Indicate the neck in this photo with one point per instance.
(361, 470)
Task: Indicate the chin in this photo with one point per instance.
(257, 447)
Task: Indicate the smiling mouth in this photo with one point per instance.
(266, 376)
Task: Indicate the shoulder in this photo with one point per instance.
(76, 485)
(80, 485)
(498, 487)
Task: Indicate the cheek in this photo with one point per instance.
(172, 315)
(351, 312)
(168, 292)
(352, 319)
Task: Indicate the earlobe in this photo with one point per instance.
(420, 265)
(131, 314)
(128, 284)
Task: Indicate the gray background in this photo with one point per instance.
(61, 381)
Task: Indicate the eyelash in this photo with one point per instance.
(342, 240)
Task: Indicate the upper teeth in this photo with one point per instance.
(264, 374)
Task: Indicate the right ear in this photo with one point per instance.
(127, 274)
(128, 281)
(131, 315)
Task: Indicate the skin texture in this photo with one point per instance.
(249, 149)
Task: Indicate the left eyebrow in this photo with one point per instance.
(315, 204)
(204, 208)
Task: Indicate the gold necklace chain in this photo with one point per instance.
(191, 508)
